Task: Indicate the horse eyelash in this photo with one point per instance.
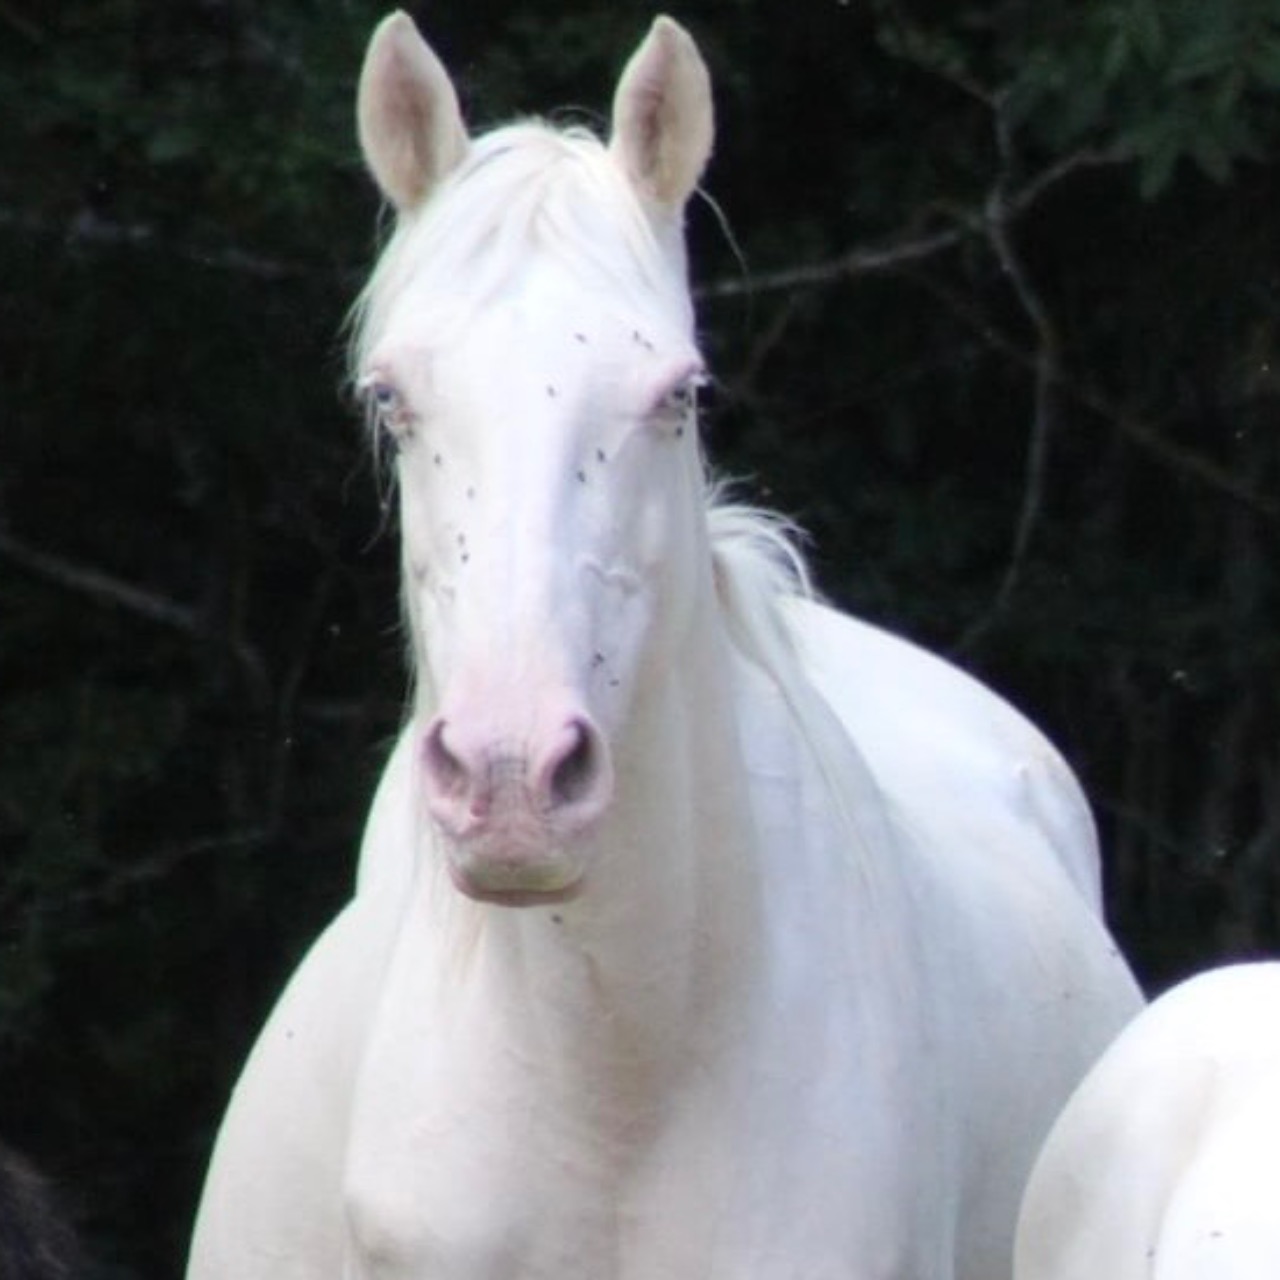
(682, 402)
(386, 410)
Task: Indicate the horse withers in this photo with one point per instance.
(700, 931)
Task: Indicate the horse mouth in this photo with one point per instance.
(516, 884)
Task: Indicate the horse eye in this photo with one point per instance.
(679, 405)
(384, 398)
(387, 409)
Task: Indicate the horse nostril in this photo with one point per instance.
(573, 776)
(478, 780)
(447, 772)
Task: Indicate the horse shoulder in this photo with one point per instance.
(1165, 1159)
(999, 927)
(928, 728)
(271, 1205)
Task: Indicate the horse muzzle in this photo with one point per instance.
(515, 810)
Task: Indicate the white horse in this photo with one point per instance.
(700, 931)
(1165, 1164)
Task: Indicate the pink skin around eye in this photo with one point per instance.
(684, 374)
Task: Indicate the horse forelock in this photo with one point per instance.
(526, 191)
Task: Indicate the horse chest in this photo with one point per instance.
(684, 1208)
(478, 1183)
(477, 1153)
(468, 1161)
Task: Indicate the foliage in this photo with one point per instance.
(1160, 82)
(1152, 81)
(1002, 334)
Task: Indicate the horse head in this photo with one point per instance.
(526, 349)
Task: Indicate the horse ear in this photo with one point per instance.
(663, 120)
(411, 129)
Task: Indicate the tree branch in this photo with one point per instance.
(909, 250)
(108, 591)
(1047, 365)
(23, 25)
(102, 588)
(89, 230)
(1139, 431)
(858, 262)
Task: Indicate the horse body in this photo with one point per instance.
(1166, 1160)
(684, 944)
(951, 739)
(584, 1097)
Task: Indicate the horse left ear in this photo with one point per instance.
(407, 114)
(663, 119)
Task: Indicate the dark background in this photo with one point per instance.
(1002, 335)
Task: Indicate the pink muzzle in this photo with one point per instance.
(515, 805)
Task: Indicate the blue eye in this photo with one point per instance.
(387, 409)
(383, 396)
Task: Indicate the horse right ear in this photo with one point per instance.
(407, 115)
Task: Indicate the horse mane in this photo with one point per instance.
(758, 563)
(760, 569)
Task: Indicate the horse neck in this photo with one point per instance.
(657, 953)
(682, 844)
